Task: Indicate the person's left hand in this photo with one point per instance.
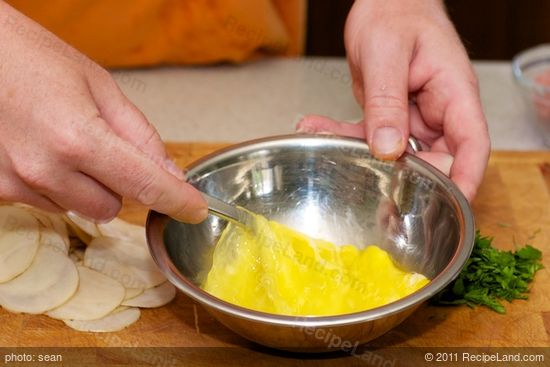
(412, 75)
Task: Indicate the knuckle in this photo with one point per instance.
(102, 75)
(470, 81)
(71, 147)
(183, 211)
(35, 175)
(151, 143)
(147, 191)
(386, 108)
(9, 191)
(474, 83)
(151, 135)
(386, 101)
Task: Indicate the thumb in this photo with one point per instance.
(127, 171)
(385, 69)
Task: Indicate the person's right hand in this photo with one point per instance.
(69, 138)
(412, 76)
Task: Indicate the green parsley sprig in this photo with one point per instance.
(491, 275)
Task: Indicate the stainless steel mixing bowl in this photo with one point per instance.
(329, 188)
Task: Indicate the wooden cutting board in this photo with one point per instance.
(513, 204)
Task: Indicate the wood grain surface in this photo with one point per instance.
(513, 205)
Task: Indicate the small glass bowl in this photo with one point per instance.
(531, 70)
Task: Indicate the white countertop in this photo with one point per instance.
(236, 103)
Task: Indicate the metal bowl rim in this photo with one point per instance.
(156, 222)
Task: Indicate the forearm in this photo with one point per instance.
(21, 36)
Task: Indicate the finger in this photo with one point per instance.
(452, 102)
(440, 160)
(468, 141)
(385, 73)
(86, 196)
(126, 120)
(13, 189)
(440, 145)
(314, 124)
(357, 82)
(469, 165)
(418, 127)
(130, 173)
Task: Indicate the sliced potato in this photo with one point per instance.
(53, 230)
(120, 308)
(60, 227)
(44, 270)
(49, 220)
(122, 260)
(119, 228)
(97, 296)
(75, 233)
(79, 225)
(153, 297)
(77, 255)
(40, 215)
(58, 224)
(133, 292)
(49, 282)
(50, 238)
(115, 321)
(19, 236)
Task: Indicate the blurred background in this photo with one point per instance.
(136, 33)
(490, 29)
(233, 70)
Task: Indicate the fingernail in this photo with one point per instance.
(174, 169)
(103, 221)
(387, 140)
(93, 220)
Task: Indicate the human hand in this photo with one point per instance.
(69, 138)
(412, 75)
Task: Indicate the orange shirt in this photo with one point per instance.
(128, 33)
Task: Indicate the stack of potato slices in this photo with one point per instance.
(93, 277)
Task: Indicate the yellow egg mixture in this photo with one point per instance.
(278, 270)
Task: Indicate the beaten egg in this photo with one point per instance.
(277, 270)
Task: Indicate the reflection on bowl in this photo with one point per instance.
(531, 70)
(329, 188)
